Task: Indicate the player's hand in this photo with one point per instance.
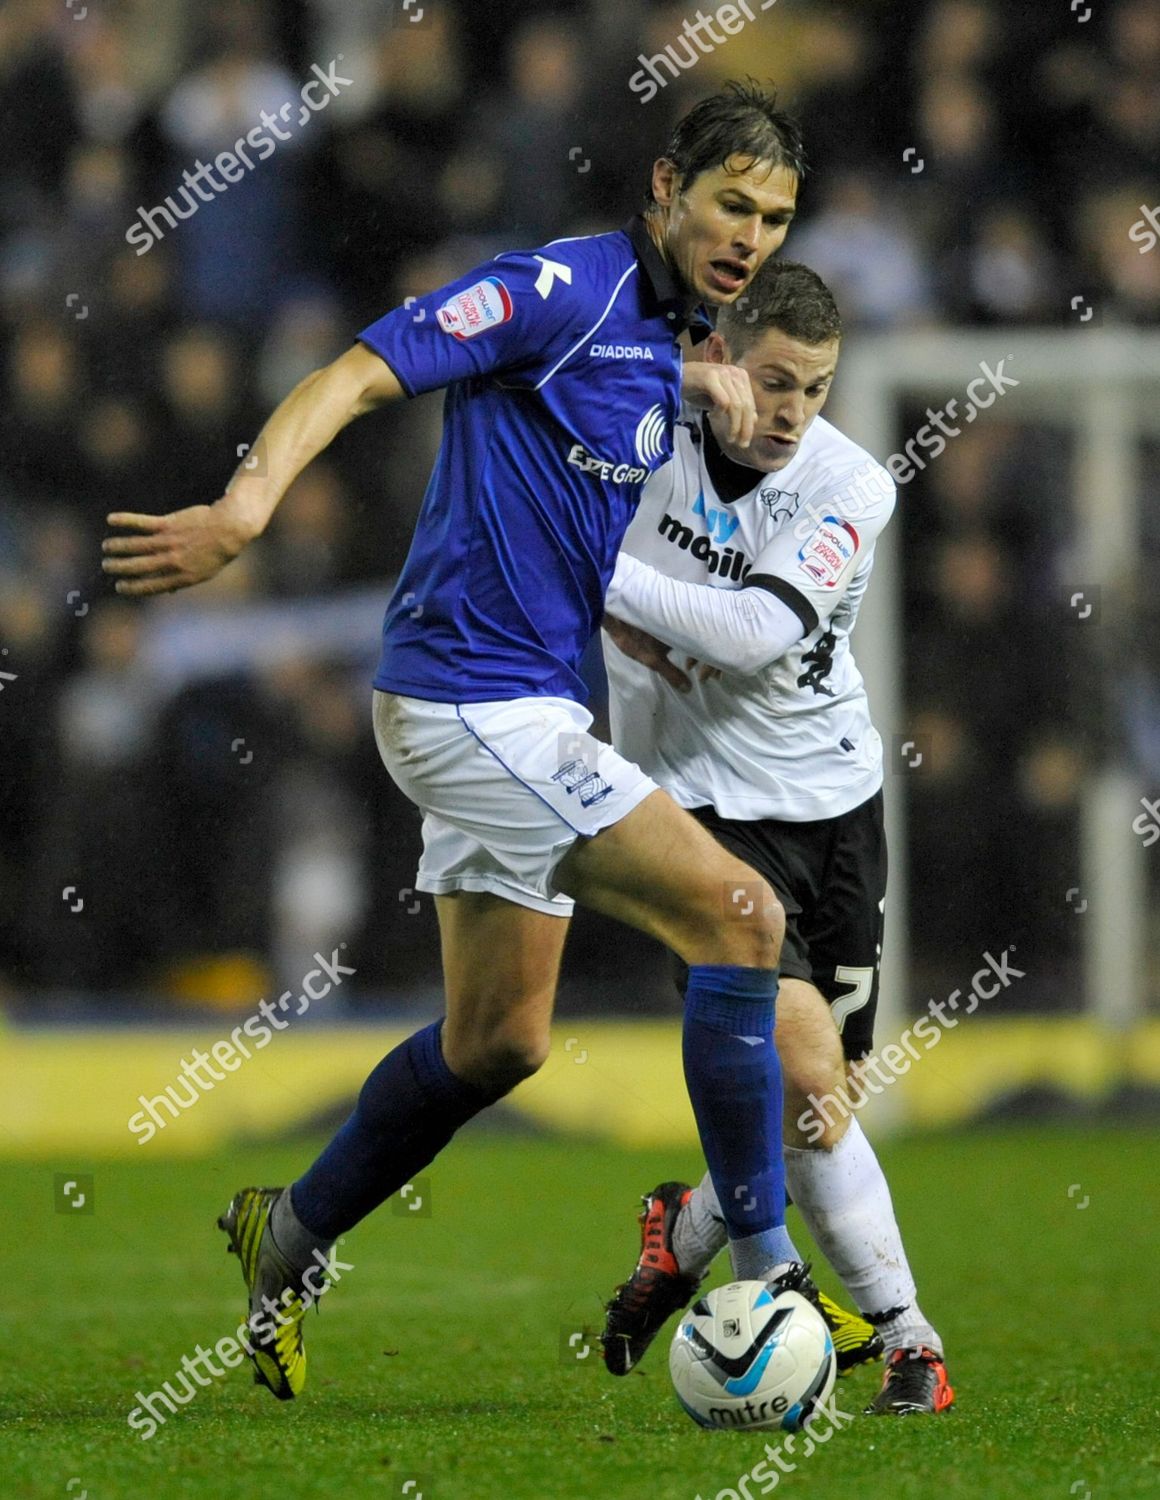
(723, 388)
(705, 673)
(174, 551)
(648, 650)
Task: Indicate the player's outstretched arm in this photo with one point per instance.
(189, 546)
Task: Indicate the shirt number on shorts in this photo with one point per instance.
(846, 1005)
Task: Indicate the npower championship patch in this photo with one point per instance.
(476, 309)
(827, 553)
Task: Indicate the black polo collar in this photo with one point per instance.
(663, 284)
(730, 479)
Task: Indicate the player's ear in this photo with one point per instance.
(715, 351)
(665, 182)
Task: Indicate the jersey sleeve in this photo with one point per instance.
(810, 565)
(510, 312)
(737, 630)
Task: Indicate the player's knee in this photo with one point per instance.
(760, 932)
(817, 1111)
(822, 1068)
(510, 1061)
(504, 1058)
(775, 920)
(815, 1121)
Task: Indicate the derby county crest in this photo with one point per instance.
(780, 504)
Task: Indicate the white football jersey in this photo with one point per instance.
(794, 740)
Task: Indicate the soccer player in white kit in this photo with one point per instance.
(752, 563)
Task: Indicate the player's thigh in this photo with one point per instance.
(658, 870)
(501, 967)
(780, 854)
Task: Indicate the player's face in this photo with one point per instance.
(724, 224)
(790, 381)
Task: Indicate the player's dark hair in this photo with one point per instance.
(784, 295)
(741, 120)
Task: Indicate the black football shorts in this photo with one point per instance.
(830, 876)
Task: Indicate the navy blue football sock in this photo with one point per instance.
(408, 1109)
(734, 1079)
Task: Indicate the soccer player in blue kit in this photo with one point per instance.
(563, 374)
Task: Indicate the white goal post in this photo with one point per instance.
(1103, 385)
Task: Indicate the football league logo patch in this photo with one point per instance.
(828, 552)
(476, 309)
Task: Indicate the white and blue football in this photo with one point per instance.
(744, 1356)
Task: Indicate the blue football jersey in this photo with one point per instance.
(562, 371)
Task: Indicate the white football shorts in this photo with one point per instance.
(505, 789)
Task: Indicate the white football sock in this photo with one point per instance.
(699, 1231)
(845, 1204)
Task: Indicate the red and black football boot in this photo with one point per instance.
(915, 1382)
(656, 1289)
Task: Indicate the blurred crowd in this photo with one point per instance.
(221, 814)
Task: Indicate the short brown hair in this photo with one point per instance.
(784, 295)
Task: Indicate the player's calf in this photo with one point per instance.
(659, 870)
(501, 964)
(817, 1112)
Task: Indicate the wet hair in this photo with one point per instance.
(784, 295)
(741, 120)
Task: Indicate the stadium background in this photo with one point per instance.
(192, 801)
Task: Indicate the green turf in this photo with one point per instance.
(442, 1362)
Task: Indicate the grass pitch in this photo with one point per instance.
(451, 1361)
